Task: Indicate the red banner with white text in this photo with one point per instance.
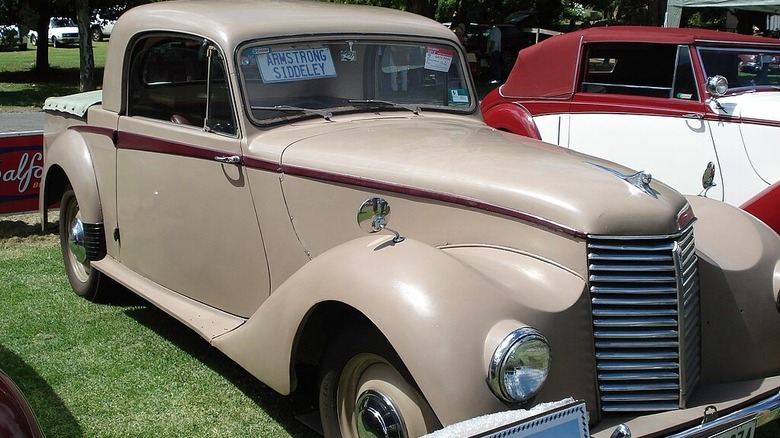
(21, 166)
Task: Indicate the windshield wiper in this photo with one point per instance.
(318, 112)
(377, 103)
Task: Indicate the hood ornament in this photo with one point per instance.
(640, 180)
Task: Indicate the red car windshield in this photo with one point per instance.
(744, 68)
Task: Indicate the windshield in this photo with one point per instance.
(744, 68)
(62, 22)
(323, 78)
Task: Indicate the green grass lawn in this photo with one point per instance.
(123, 369)
(20, 87)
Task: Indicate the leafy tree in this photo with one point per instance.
(645, 12)
(485, 11)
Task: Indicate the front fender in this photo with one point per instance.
(438, 310)
(512, 117)
(67, 160)
(739, 272)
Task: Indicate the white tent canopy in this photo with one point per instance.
(674, 7)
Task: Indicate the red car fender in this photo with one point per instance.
(764, 206)
(510, 117)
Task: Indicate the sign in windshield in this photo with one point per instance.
(294, 65)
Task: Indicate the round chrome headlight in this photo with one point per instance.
(519, 366)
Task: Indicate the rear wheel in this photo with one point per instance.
(85, 281)
(33, 40)
(365, 394)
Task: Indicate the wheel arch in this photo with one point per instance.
(68, 162)
(739, 274)
(426, 309)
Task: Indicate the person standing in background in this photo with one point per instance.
(494, 51)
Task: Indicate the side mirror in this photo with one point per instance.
(372, 217)
(708, 178)
(717, 85)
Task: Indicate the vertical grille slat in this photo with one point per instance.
(645, 303)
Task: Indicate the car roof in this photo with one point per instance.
(229, 23)
(548, 69)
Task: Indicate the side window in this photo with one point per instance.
(638, 69)
(220, 117)
(180, 80)
(684, 79)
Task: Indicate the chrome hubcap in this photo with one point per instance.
(377, 417)
(77, 246)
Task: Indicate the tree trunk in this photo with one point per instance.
(42, 45)
(86, 57)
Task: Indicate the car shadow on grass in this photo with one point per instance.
(278, 407)
(53, 415)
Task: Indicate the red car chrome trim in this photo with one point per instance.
(762, 122)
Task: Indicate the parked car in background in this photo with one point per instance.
(239, 169)
(11, 38)
(677, 103)
(101, 28)
(17, 419)
(62, 31)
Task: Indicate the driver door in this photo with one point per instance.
(185, 213)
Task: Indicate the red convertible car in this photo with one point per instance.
(17, 419)
(689, 106)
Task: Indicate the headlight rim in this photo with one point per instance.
(500, 356)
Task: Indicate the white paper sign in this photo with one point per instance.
(296, 65)
(438, 59)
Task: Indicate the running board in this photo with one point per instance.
(206, 321)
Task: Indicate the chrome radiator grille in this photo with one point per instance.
(645, 303)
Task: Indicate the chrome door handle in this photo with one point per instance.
(233, 159)
(693, 116)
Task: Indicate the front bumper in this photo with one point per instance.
(69, 39)
(764, 411)
(736, 402)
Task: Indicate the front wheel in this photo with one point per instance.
(33, 40)
(97, 34)
(55, 42)
(363, 394)
(85, 281)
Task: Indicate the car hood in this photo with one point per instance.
(756, 106)
(471, 164)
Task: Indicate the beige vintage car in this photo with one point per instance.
(238, 170)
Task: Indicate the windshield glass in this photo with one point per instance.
(323, 78)
(745, 68)
(62, 22)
